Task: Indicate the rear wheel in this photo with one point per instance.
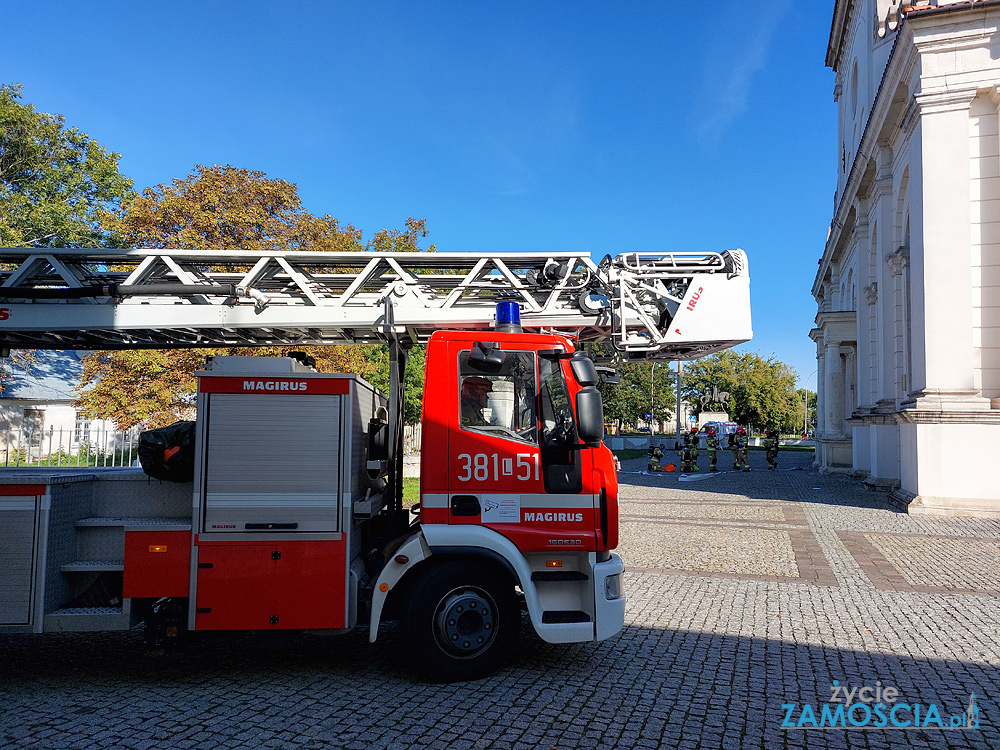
(461, 621)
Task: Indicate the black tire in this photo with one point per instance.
(460, 621)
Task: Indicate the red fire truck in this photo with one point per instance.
(294, 519)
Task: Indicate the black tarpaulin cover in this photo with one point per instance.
(167, 453)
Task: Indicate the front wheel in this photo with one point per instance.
(460, 621)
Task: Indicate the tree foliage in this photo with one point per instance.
(20, 359)
(225, 208)
(401, 240)
(762, 390)
(378, 375)
(154, 387)
(639, 391)
(55, 181)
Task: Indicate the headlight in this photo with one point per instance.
(613, 587)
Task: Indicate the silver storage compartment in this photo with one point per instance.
(17, 543)
(273, 463)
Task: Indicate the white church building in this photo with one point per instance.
(908, 289)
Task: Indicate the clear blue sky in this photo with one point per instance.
(523, 126)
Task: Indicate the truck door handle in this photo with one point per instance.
(270, 526)
(465, 505)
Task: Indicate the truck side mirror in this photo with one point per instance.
(609, 375)
(590, 416)
(486, 358)
(583, 369)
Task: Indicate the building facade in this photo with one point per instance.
(37, 415)
(908, 289)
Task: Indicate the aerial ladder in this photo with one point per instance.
(681, 305)
(295, 518)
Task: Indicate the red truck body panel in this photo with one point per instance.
(271, 585)
(157, 563)
(505, 472)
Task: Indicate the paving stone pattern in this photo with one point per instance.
(745, 592)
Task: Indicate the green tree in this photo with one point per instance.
(226, 208)
(640, 389)
(154, 387)
(401, 240)
(413, 395)
(55, 181)
(762, 390)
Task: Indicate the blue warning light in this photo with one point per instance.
(508, 313)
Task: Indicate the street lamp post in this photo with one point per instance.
(652, 374)
(678, 399)
(805, 404)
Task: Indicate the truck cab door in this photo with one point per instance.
(512, 465)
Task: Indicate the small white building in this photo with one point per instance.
(908, 289)
(37, 415)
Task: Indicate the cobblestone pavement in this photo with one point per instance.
(746, 592)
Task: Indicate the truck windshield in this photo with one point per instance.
(558, 427)
(503, 403)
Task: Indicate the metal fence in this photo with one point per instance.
(97, 446)
(411, 438)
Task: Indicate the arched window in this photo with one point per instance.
(854, 89)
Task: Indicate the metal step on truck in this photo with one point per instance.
(292, 516)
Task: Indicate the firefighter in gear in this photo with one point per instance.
(475, 397)
(741, 449)
(689, 451)
(771, 448)
(655, 454)
(734, 449)
(712, 442)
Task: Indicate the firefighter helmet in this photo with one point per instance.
(476, 383)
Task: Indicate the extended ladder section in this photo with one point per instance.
(671, 306)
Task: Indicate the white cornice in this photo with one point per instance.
(935, 102)
(837, 328)
(837, 28)
(900, 68)
(892, 78)
(952, 40)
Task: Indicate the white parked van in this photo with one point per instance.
(722, 429)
